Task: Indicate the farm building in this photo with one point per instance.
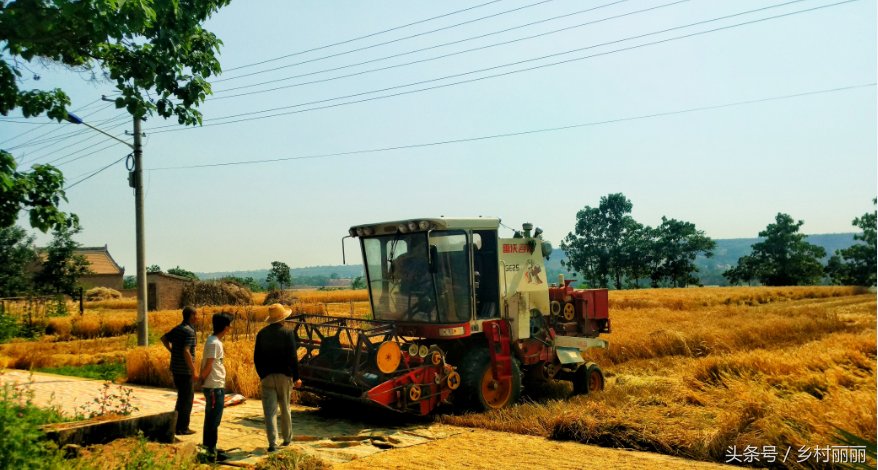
(165, 291)
(105, 271)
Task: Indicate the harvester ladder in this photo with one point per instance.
(499, 341)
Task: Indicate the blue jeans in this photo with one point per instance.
(213, 414)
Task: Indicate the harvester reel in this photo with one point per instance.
(555, 307)
(388, 357)
(569, 311)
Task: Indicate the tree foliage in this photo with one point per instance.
(280, 274)
(608, 247)
(17, 254)
(675, 244)
(155, 52)
(178, 271)
(856, 265)
(599, 247)
(61, 267)
(784, 258)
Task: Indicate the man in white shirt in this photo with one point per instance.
(213, 382)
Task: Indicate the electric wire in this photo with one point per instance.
(429, 59)
(338, 54)
(83, 108)
(45, 151)
(41, 141)
(94, 173)
(525, 132)
(249, 116)
(361, 37)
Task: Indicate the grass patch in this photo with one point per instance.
(106, 371)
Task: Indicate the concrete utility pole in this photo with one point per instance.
(142, 319)
(137, 183)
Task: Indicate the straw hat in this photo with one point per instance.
(277, 312)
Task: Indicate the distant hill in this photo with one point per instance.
(310, 275)
(710, 270)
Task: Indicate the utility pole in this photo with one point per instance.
(142, 319)
(136, 181)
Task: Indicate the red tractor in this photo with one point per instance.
(458, 315)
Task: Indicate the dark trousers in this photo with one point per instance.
(185, 395)
(213, 414)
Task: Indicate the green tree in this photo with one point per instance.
(856, 265)
(602, 245)
(178, 271)
(129, 282)
(153, 269)
(155, 51)
(784, 258)
(744, 272)
(62, 267)
(280, 274)
(675, 245)
(358, 283)
(17, 253)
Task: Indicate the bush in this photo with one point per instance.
(102, 293)
(216, 293)
(22, 443)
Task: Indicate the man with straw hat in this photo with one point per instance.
(277, 364)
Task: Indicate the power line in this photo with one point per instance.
(43, 151)
(383, 43)
(361, 37)
(83, 108)
(434, 47)
(43, 139)
(89, 147)
(638, 46)
(95, 173)
(526, 132)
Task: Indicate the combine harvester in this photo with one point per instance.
(459, 316)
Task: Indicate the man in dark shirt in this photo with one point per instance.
(277, 364)
(180, 341)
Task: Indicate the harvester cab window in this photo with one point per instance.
(413, 278)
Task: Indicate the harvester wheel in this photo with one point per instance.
(588, 379)
(480, 390)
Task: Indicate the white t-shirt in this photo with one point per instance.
(213, 348)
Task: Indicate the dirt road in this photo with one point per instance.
(352, 439)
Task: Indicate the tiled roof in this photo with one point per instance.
(100, 261)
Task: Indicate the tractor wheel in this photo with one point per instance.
(588, 379)
(480, 390)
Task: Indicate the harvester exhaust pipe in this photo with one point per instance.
(527, 227)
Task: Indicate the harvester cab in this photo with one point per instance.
(458, 315)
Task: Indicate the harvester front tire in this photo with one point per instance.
(480, 391)
(588, 379)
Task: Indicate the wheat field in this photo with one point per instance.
(690, 372)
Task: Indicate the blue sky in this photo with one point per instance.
(729, 170)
